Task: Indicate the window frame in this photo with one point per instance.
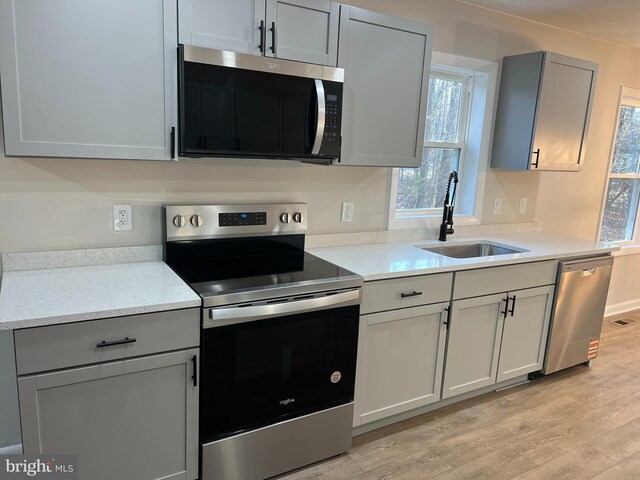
(463, 125)
(628, 97)
(474, 155)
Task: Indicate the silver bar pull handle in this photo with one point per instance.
(322, 112)
(228, 316)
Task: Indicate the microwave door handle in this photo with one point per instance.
(321, 111)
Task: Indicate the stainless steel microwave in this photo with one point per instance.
(237, 105)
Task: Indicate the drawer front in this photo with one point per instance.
(71, 344)
(404, 292)
(487, 281)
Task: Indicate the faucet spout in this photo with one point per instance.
(446, 227)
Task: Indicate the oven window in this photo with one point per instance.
(262, 372)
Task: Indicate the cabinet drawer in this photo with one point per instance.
(61, 346)
(486, 281)
(384, 295)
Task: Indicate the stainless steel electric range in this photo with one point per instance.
(279, 338)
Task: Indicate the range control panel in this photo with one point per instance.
(184, 222)
(244, 218)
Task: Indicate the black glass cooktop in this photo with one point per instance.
(238, 270)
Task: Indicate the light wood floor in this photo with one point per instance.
(582, 423)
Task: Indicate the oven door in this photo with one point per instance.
(268, 363)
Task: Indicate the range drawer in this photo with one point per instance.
(382, 295)
(71, 344)
(487, 281)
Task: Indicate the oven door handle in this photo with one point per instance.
(218, 317)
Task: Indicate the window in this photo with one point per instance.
(620, 211)
(456, 138)
(444, 139)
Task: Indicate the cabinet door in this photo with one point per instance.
(543, 112)
(303, 30)
(223, 24)
(400, 361)
(387, 63)
(524, 337)
(473, 347)
(564, 108)
(130, 420)
(88, 78)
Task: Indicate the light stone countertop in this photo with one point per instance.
(392, 260)
(31, 298)
(70, 293)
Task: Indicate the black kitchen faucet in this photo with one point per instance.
(446, 228)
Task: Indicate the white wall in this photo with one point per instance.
(59, 203)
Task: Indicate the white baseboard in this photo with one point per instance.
(12, 450)
(623, 307)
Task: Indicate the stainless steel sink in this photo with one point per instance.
(473, 250)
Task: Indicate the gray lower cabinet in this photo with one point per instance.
(473, 347)
(135, 419)
(387, 62)
(542, 117)
(300, 30)
(524, 336)
(400, 361)
(494, 338)
(121, 393)
(89, 78)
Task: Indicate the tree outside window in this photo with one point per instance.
(423, 188)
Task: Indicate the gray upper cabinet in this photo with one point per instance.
(543, 112)
(387, 64)
(300, 30)
(303, 30)
(232, 25)
(89, 78)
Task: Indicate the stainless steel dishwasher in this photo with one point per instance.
(576, 321)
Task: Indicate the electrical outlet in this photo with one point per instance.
(347, 211)
(497, 206)
(523, 206)
(122, 218)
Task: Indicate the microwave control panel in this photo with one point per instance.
(333, 118)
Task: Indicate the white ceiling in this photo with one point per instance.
(617, 21)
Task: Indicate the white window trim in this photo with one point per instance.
(473, 158)
(628, 96)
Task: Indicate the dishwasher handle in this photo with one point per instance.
(586, 265)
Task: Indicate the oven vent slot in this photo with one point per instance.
(304, 297)
(277, 300)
